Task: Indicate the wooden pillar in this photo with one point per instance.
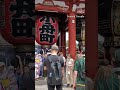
(63, 42)
(72, 34)
(91, 34)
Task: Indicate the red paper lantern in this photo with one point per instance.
(19, 25)
(46, 30)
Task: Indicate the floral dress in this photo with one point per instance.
(8, 80)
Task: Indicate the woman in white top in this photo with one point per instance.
(69, 70)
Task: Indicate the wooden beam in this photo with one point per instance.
(40, 7)
(58, 9)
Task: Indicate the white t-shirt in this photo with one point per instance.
(70, 62)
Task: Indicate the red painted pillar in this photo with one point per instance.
(72, 34)
(60, 42)
(63, 42)
(91, 37)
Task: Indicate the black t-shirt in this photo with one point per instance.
(54, 58)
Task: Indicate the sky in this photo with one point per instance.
(67, 37)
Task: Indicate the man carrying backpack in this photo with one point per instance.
(54, 65)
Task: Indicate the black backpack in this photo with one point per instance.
(55, 73)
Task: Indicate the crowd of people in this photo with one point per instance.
(74, 72)
(17, 78)
(69, 67)
(57, 68)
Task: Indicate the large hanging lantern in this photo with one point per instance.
(19, 21)
(46, 30)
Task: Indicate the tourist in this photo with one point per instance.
(69, 70)
(54, 65)
(79, 73)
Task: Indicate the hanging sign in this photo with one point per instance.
(46, 30)
(19, 21)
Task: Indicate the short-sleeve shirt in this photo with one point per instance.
(54, 58)
(78, 66)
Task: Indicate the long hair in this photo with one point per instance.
(103, 73)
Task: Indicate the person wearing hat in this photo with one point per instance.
(53, 58)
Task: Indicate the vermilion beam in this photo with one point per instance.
(40, 7)
(51, 8)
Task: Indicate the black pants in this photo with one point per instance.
(52, 87)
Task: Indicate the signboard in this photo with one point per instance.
(116, 17)
(19, 21)
(83, 31)
(46, 30)
(116, 41)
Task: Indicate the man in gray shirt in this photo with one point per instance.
(47, 67)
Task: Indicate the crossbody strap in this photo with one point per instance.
(50, 60)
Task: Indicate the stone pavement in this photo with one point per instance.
(40, 84)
